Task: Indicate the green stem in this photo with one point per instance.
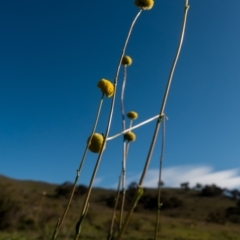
(79, 223)
(160, 118)
(56, 227)
(56, 231)
(108, 127)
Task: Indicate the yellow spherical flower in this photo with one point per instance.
(126, 60)
(132, 115)
(96, 143)
(144, 4)
(130, 136)
(106, 87)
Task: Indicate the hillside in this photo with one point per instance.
(30, 210)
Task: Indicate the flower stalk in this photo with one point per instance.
(111, 231)
(154, 138)
(60, 221)
(85, 204)
(123, 178)
(126, 61)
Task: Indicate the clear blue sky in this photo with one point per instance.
(52, 54)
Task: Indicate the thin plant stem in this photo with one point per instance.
(136, 198)
(165, 95)
(124, 148)
(160, 180)
(124, 188)
(78, 171)
(110, 234)
(158, 122)
(130, 125)
(79, 223)
(56, 227)
(122, 98)
(78, 227)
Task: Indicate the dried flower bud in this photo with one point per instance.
(127, 61)
(144, 4)
(96, 143)
(132, 115)
(106, 87)
(130, 136)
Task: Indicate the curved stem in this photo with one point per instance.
(165, 94)
(108, 127)
(78, 173)
(122, 98)
(159, 120)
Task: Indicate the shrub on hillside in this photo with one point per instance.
(211, 191)
(148, 201)
(216, 217)
(8, 209)
(81, 189)
(151, 202)
(65, 189)
(233, 214)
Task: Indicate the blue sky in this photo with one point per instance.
(53, 53)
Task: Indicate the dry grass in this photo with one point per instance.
(32, 215)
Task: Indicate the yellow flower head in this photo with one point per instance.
(96, 143)
(126, 61)
(132, 115)
(106, 87)
(130, 136)
(144, 4)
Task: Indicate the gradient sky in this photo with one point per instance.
(53, 53)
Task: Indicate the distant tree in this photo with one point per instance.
(150, 201)
(173, 202)
(198, 186)
(81, 189)
(233, 213)
(211, 191)
(185, 186)
(64, 190)
(235, 194)
(132, 185)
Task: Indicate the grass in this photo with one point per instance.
(34, 215)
